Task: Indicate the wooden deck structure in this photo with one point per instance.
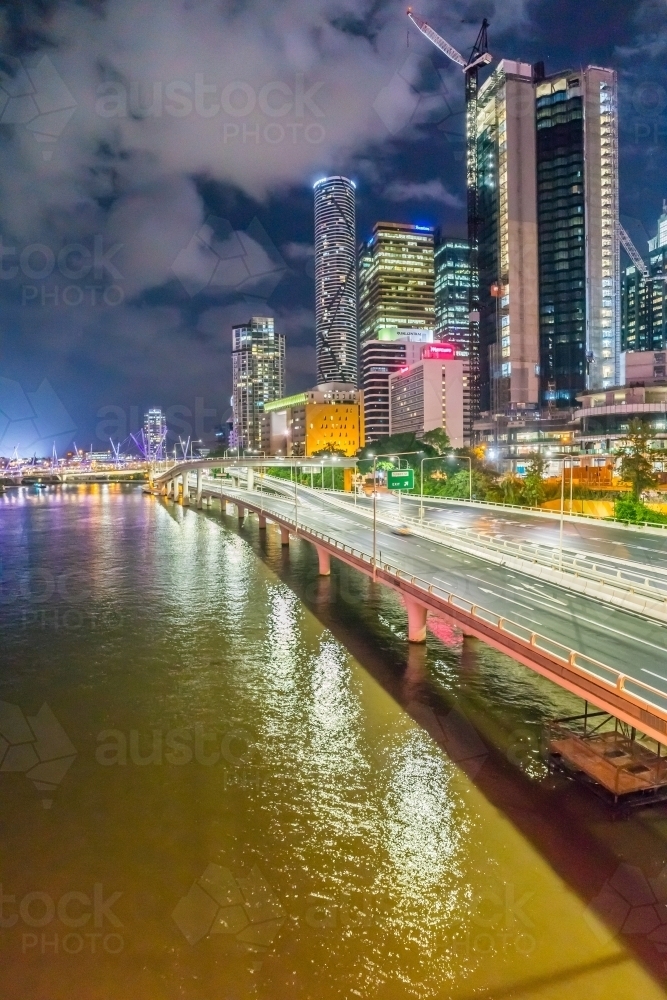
(621, 767)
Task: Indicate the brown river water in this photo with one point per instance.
(224, 777)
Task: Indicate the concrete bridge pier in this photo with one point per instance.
(416, 620)
(324, 560)
(185, 499)
(199, 490)
(172, 489)
(284, 536)
(262, 522)
(240, 510)
(251, 479)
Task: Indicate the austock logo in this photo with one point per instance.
(36, 97)
(244, 909)
(37, 746)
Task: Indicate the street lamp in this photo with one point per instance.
(452, 457)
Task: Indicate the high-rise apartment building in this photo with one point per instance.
(452, 293)
(396, 279)
(155, 434)
(379, 360)
(548, 257)
(508, 279)
(258, 377)
(644, 303)
(335, 281)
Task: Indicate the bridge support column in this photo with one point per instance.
(262, 522)
(185, 499)
(284, 536)
(172, 490)
(416, 620)
(251, 479)
(199, 489)
(324, 561)
(240, 510)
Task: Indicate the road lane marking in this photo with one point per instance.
(659, 676)
(503, 598)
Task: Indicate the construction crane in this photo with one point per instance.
(636, 257)
(479, 57)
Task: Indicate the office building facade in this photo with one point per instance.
(396, 279)
(577, 197)
(644, 303)
(508, 275)
(155, 434)
(330, 416)
(548, 258)
(258, 378)
(379, 360)
(336, 333)
(434, 392)
(453, 278)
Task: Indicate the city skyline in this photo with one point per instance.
(168, 329)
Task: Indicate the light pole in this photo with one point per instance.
(375, 500)
(432, 458)
(469, 461)
(562, 506)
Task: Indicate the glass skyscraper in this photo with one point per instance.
(644, 303)
(258, 377)
(452, 293)
(335, 281)
(577, 198)
(396, 280)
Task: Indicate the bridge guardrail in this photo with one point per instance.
(651, 698)
(640, 586)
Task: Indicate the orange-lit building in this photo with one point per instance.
(328, 417)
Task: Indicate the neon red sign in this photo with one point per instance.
(438, 352)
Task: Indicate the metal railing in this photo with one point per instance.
(631, 689)
(628, 579)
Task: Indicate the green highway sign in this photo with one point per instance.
(401, 479)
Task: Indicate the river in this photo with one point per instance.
(226, 777)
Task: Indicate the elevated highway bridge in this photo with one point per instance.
(613, 658)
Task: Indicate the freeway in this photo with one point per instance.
(629, 643)
(595, 537)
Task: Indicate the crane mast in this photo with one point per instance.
(479, 56)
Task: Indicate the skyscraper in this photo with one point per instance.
(452, 293)
(577, 198)
(509, 328)
(548, 182)
(258, 377)
(396, 279)
(155, 433)
(335, 280)
(644, 303)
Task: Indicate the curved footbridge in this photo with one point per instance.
(613, 659)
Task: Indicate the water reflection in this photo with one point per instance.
(371, 825)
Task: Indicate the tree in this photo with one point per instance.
(636, 463)
(458, 485)
(533, 484)
(438, 439)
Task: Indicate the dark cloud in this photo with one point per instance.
(157, 162)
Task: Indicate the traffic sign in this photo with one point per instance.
(401, 479)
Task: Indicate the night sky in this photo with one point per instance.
(157, 168)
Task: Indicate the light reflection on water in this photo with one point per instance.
(352, 855)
